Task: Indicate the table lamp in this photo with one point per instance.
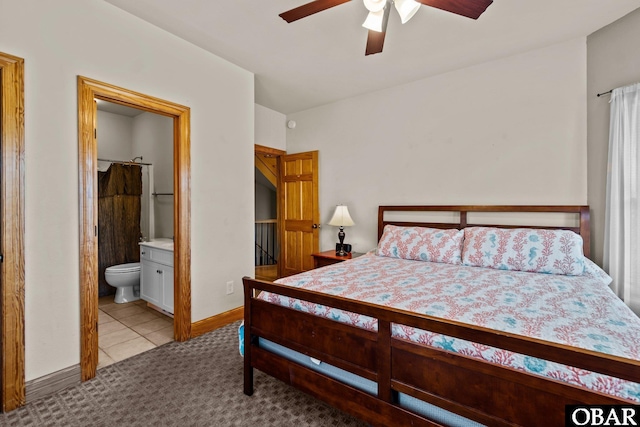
(341, 218)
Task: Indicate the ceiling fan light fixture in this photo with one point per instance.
(375, 5)
(374, 21)
(406, 9)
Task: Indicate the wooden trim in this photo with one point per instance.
(214, 322)
(52, 383)
(261, 149)
(12, 377)
(182, 224)
(88, 90)
(280, 205)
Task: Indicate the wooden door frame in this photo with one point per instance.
(261, 149)
(88, 90)
(12, 387)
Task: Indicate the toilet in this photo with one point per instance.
(126, 279)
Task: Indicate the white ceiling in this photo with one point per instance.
(123, 110)
(320, 59)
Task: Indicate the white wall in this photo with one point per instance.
(66, 38)
(613, 60)
(149, 136)
(510, 131)
(270, 128)
(115, 136)
(266, 202)
(153, 140)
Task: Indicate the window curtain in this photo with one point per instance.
(622, 217)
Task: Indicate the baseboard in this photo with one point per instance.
(52, 383)
(214, 322)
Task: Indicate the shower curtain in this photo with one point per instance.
(119, 193)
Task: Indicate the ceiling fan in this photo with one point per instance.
(376, 21)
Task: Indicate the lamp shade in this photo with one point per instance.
(406, 9)
(341, 217)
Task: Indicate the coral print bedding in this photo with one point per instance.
(524, 249)
(577, 310)
(422, 244)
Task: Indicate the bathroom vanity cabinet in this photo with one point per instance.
(156, 274)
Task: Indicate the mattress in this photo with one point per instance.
(579, 311)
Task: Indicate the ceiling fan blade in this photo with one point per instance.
(375, 39)
(469, 8)
(309, 9)
(375, 42)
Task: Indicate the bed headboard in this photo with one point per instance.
(462, 212)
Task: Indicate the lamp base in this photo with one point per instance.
(346, 248)
(341, 251)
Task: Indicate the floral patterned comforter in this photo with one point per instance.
(578, 311)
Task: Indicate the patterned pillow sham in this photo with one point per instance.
(524, 249)
(421, 244)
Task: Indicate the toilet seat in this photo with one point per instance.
(124, 268)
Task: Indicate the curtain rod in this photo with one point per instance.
(125, 162)
(605, 93)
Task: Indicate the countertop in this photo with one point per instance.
(166, 244)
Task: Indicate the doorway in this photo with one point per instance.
(266, 227)
(12, 377)
(295, 177)
(135, 212)
(88, 91)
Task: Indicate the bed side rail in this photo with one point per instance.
(491, 394)
(615, 366)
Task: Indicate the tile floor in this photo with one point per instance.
(125, 330)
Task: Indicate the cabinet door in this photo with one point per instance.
(167, 286)
(151, 283)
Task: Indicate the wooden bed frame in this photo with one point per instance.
(490, 394)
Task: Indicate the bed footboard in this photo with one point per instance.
(487, 393)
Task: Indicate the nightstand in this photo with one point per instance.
(321, 259)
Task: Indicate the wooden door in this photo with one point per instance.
(299, 212)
